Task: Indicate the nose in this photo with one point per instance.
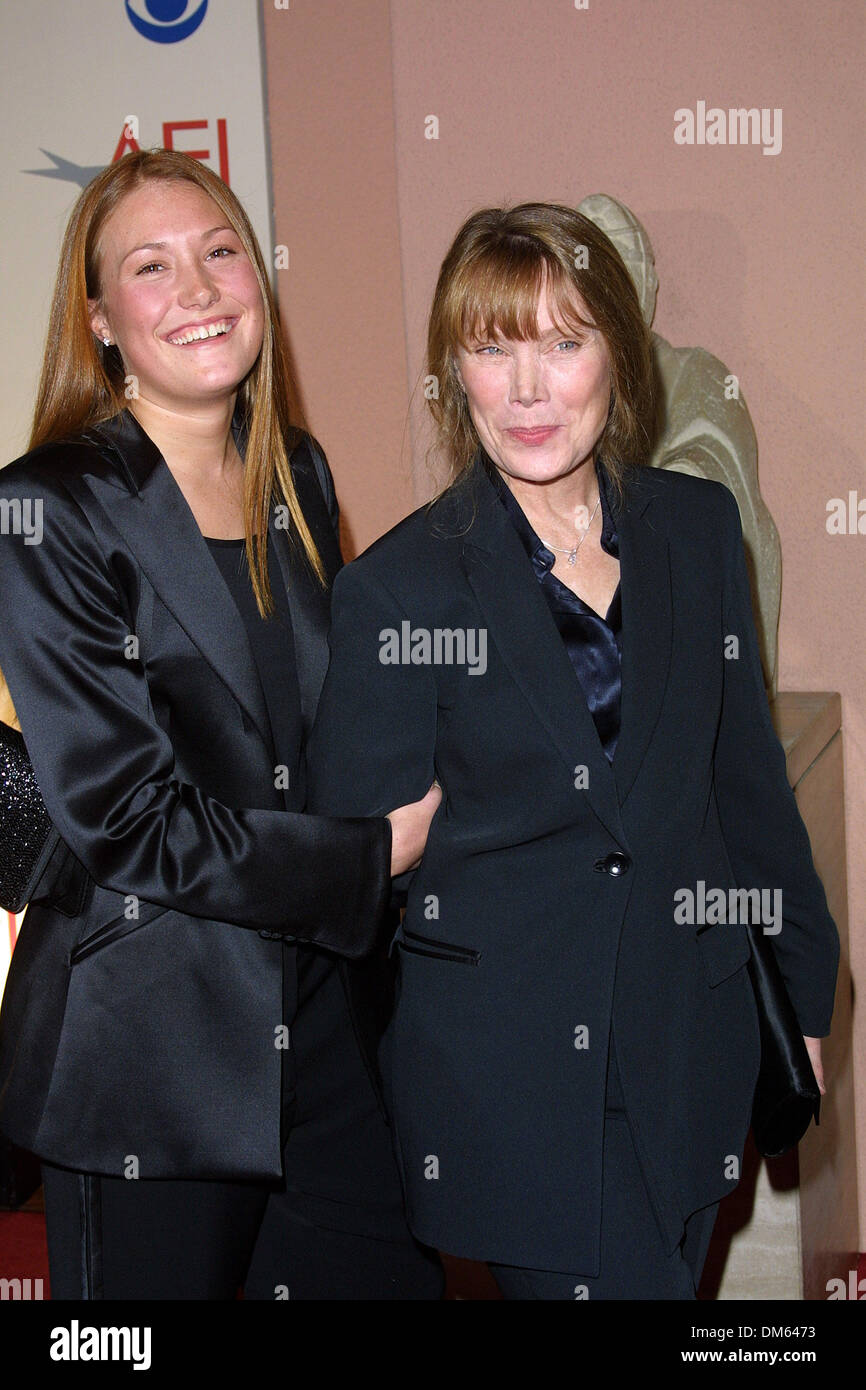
(527, 376)
(197, 288)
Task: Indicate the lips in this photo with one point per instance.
(193, 334)
(538, 434)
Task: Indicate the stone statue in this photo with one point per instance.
(704, 427)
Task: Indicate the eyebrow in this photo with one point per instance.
(161, 245)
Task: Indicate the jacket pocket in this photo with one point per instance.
(439, 950)
(115, 930)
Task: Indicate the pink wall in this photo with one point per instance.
(755, 254)
(335, 209)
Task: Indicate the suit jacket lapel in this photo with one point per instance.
(153, 517)
(521, 625)
(309, 601)
(647, 621)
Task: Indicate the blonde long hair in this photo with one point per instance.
(491, 281)
(82, 381)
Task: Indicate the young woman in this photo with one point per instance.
(180, 1041)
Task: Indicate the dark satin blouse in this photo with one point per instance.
(273, 646)
(593, 643)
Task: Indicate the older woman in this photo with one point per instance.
(565, 637)
(198, 1083)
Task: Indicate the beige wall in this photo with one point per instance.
(755, 253)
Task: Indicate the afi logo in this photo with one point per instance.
(129, 141)
(166, 21)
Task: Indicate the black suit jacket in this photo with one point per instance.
(544, 906)
(145, 1024)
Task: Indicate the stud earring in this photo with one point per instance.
(107, 342)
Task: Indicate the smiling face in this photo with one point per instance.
(179, 296)
(539, 406)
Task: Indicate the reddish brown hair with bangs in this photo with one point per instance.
(490, 285)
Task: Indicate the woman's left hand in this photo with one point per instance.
(813, 1047)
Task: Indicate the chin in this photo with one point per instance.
(221, 385)
(534, 464)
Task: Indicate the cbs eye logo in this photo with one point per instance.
(165, 21)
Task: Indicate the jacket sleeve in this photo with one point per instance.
(373, 741)
(106, 768)
(766, 840)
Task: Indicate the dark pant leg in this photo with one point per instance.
(337, 1228)
(115, 1238)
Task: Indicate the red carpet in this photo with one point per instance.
(23, 1252)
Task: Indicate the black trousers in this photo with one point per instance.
(333, 1229)
(634, 1263)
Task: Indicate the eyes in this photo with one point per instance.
(218, 253)
(564, 347)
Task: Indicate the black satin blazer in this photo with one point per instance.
(145, 1024)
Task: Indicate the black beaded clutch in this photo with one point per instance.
(27, 837)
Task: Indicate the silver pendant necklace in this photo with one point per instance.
(570, 552)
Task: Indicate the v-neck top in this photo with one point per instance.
(593, 642)
(273, 648)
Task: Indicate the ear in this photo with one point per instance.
(98, 321)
